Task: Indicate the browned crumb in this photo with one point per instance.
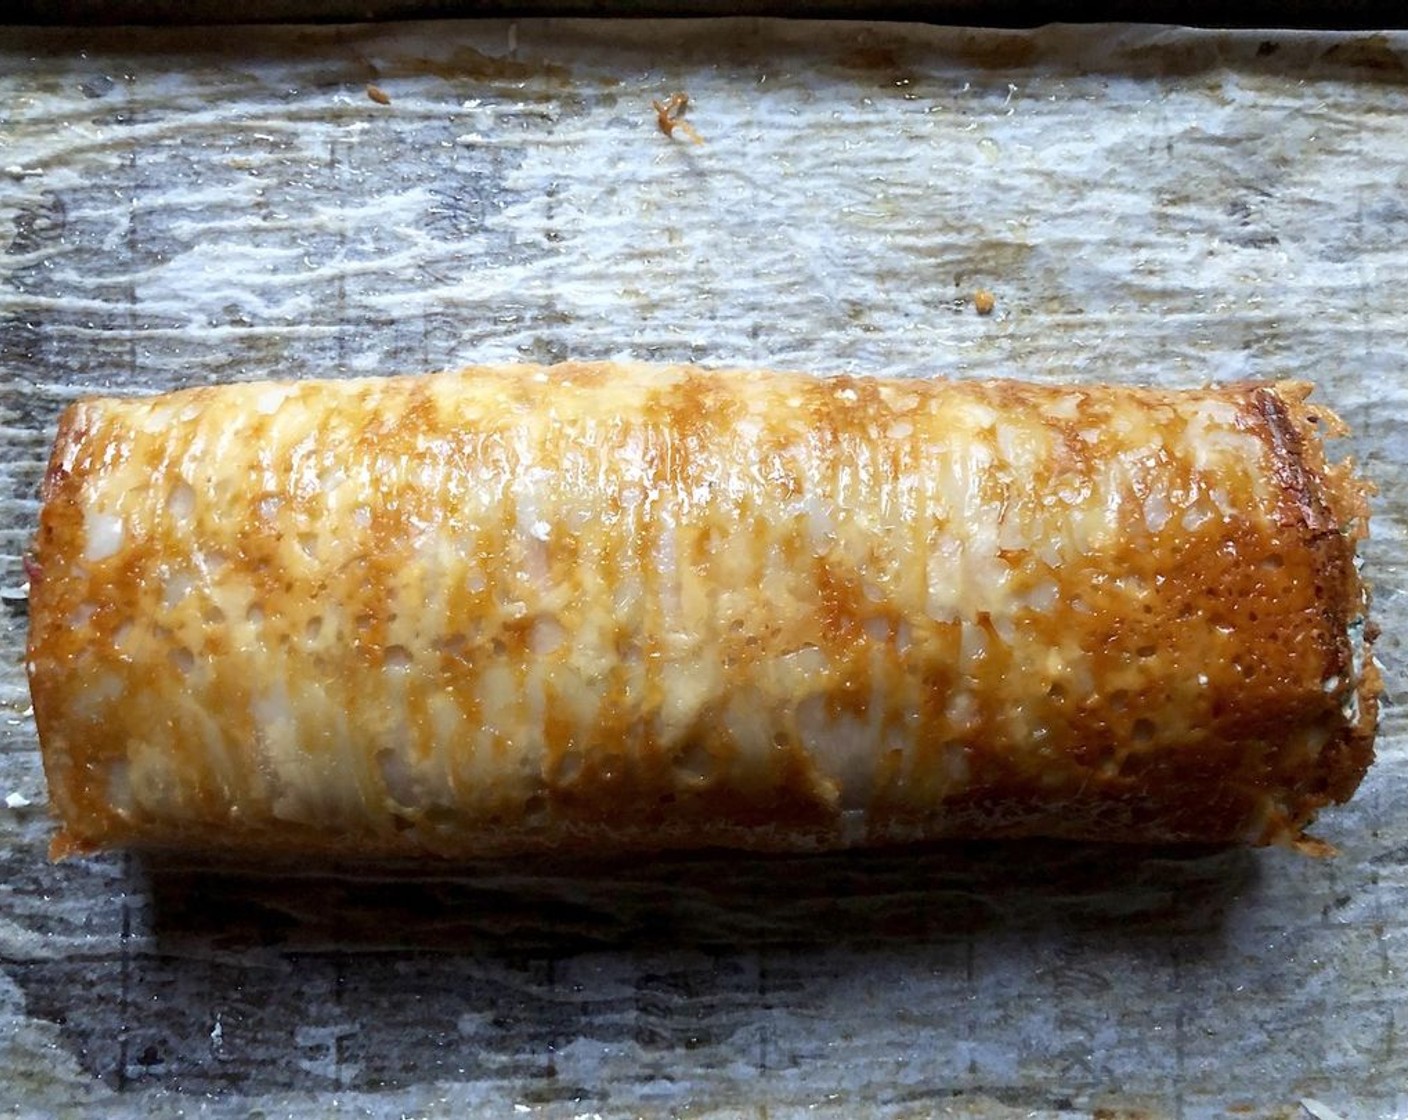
(669, 114)
(377, 94)
(984, 301)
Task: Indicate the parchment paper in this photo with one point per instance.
(1145, 205)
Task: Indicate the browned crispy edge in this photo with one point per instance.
(57, 506)
(1330, 503)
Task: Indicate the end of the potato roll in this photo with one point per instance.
(63, 628)
(1331, 500)
(42, 649)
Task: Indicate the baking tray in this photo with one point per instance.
(1146, 204)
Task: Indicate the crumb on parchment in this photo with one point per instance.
(377, 94)
(669, 116)
(984, 301)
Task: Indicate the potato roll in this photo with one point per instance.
(610, 607)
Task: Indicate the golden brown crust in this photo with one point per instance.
(624, 606)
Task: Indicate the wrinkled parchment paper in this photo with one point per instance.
(1142, 204)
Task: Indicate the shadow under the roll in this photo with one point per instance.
(528, 975)
(709, 902)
